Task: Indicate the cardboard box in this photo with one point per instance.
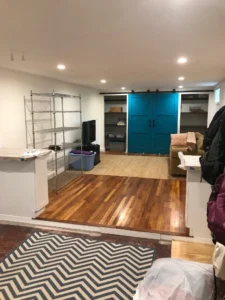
(116, 109)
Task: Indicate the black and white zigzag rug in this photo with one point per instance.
(50, 266)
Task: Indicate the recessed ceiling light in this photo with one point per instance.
(180, 86)
(123, 88)
(103, 81)
(181, 78)
(61, 67)
(182, 60)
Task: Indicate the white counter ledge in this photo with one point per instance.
(23, 182)
(18, 153)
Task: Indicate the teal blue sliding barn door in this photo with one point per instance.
(139, 135)
(165, 116)
(151, 120)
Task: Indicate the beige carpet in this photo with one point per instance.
(132, 166)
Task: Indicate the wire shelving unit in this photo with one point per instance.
(46, 122)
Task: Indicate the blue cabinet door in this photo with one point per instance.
(151, 120)
(165, 117)
(139, 135)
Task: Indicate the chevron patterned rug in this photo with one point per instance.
(50, 266)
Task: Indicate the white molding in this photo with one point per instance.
(186, 239)
(93, 230)
(10, 218)
(179, 113)
(24, 221)
(37, 213)
(102, 149)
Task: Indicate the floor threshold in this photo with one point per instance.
(115, 227)
(95, 231)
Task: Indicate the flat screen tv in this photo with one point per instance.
(89, 132)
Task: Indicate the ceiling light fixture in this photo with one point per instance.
(123, 88)
(181, 78)
(182, 60)
(103, 81)
(180, 86)
(61, 67)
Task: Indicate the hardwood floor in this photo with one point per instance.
(192, 251)
(153, 205)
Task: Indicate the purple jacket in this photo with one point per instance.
(216, 210)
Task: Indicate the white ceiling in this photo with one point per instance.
(131, 43)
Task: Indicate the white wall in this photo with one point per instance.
(94, 110)
(213, 107)
(222, 92)
(15, 85)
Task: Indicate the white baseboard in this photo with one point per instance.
(26, 221)
(187, 239)
(102, 149)
(37, 213)
(10, 218)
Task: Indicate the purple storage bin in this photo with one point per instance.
(78, 159)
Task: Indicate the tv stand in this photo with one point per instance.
(94, 148)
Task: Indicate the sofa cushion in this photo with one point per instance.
(179, 139)
(191, 140)
(175, 149)
(198, 135)
(200, 143)
(200, 152)
(174, 160)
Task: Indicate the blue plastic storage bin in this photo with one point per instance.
(88, 161)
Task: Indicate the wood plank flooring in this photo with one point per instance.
(153, 205)
(192, 251)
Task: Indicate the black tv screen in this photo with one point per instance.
(89, 132)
